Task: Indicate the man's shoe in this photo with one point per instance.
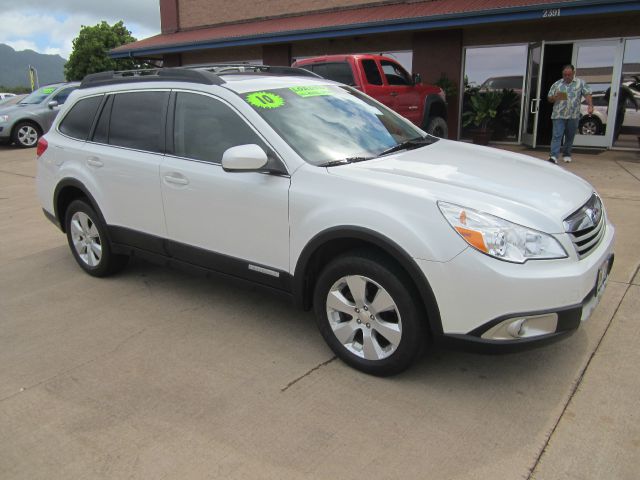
(553, 159)
(566, 158)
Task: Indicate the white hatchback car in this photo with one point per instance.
(311, 188)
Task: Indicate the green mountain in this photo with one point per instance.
(14, 65)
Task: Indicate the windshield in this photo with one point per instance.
(327, 123)
(38, 95)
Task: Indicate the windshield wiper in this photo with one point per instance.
(344, 161)
(408, 144)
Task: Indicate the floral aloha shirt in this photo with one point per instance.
(575, 90)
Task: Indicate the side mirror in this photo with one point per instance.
(244, 158)
(52, 104)
(417, 79)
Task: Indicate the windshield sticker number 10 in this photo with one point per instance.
(265, 100)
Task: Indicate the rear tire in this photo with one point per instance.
(88, 241)
(368, 312)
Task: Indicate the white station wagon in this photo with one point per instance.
(310, 188)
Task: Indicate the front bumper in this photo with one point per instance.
(479, 296)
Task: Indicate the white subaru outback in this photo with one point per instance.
(313, 189)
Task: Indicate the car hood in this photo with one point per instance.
(516, 187)
(16, 108)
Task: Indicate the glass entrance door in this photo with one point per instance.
(597, 63)
(532, 94)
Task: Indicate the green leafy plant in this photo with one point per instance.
(91, 47)
(507, 118)
(483, 108)
(449, 87)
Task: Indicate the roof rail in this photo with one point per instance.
(153, 74)
(246, 68)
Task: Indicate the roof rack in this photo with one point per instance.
(247, 68)
(153, 74)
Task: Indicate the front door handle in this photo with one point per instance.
(394, 94)
(176, 179)
(94, 162)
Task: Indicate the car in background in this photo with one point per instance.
(384, 79)
(7, 102)
(596, 123)
(25, 122)
(497, 84)
(6, 95)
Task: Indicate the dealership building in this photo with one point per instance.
(479, 45)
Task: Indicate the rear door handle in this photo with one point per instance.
(176, 179)
(94, 162)
(394, 94)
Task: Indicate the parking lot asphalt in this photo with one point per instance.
(155, 373)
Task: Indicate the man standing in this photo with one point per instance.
(566, 95)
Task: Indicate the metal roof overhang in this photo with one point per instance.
(501, 15)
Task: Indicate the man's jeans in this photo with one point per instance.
(566, 127)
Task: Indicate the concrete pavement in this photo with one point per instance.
(158, 374)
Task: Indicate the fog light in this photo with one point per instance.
(523, 327)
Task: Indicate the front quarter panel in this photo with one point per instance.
(320, 201)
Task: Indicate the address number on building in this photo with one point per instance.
(553, 12)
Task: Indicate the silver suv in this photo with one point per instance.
(24, 123)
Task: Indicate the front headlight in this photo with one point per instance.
(4, 118)
(498, 237)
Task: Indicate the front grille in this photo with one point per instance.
(586, 226)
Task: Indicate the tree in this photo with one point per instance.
(91, 47)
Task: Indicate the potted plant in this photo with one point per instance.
(483, 108)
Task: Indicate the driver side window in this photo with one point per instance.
(205, 128)
(395, 74)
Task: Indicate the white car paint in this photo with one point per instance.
(270, 220)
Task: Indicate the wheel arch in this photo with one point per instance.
(68, 190)
(337, 240)
(434, 106)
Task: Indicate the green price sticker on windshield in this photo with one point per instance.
(48, 90)
(315, 91)
(265, 100)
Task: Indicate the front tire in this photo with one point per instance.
(88, 241)
(368, 313)
(26, 134)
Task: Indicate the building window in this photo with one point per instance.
(497, 71)
(627, 121)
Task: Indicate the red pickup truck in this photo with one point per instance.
(385, 80)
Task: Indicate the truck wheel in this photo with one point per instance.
(368, 313)
(438, 127)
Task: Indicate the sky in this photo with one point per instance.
(50, 26)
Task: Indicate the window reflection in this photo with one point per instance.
(497, 70)
(627, 121)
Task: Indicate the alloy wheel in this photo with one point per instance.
(27, 135)
(86, 239)
(364, 317)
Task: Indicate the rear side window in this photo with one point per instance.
(77, 123)
(338, 72)
(204, 128)
(371, 72)
(137, 120)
